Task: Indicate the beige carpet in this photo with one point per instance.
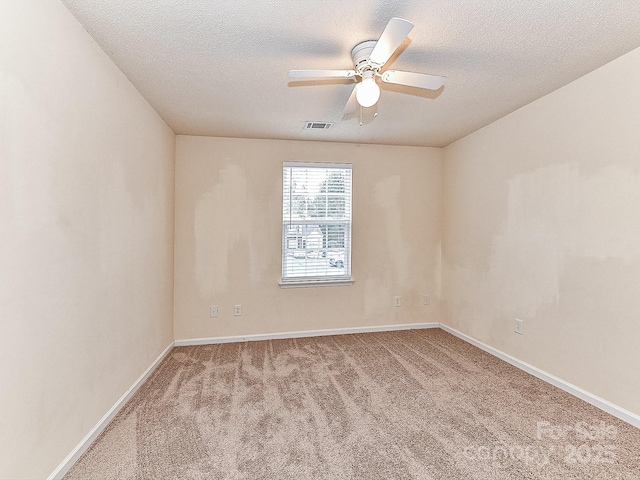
(399, 405)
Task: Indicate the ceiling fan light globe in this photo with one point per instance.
(368, 92)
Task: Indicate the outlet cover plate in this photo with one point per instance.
(518, 326)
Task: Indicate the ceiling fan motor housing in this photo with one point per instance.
(360, 55)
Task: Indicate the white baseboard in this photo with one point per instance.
(86, 442)
(303, 333)
(594, 400)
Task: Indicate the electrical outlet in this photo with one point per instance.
(519, 326)
(237, 310)
(426, 300)
(396, 301)
(213, 312)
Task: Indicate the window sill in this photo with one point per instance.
(315, 283)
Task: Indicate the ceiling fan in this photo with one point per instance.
(369, 58)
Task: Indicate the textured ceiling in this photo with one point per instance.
(220, 68)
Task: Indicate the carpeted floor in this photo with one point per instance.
(398, 405)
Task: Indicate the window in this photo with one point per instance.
(316, 223)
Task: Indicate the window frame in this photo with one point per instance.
(287, 223)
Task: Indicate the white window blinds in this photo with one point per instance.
(316, 222)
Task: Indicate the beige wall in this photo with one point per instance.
(228, 237)
(542, 222)
(86, 215)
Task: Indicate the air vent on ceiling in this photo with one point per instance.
(317, 125)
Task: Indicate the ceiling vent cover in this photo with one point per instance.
(317, 125)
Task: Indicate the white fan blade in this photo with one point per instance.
(411, 79)
(394, 33)
(311, 74)
(352, 105)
